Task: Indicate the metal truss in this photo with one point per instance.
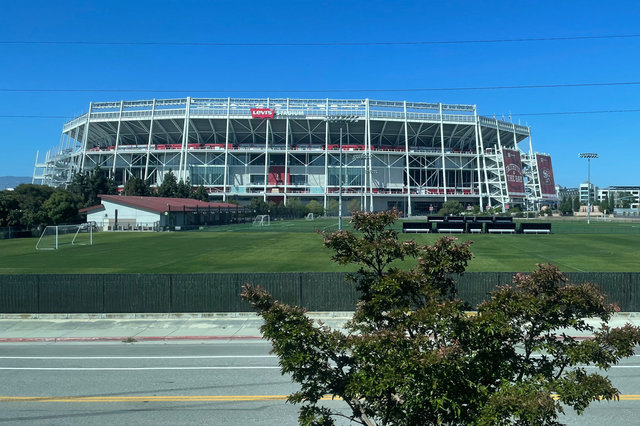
(416, 153)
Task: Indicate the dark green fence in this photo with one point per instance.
(165, 293)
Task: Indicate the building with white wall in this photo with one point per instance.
(119, 212)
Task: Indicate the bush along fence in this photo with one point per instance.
(178, 293)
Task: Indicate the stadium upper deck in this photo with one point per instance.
(411, 154)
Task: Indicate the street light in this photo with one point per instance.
(341, 119)
(588, 156)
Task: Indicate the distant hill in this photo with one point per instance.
(13, 181)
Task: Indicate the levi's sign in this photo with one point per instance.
(262, 112)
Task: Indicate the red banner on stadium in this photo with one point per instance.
(513, 172)
(262, 112)
(545, 174)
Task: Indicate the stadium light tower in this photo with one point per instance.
(342, 119)
(588, 156)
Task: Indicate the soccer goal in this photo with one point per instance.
(262, 220)
(310, 216)
(603, 218)
(55, 237)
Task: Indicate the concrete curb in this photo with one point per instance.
(205, 315)
(172, 316)
(121, 339)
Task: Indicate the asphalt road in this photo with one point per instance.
(197, 383)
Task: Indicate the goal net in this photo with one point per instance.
(55, 237)
(603, 218)
(310, 216)
(262, 220)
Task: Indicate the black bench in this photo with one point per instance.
(416, 227)
(474, 228)
(435, 218)
(455, 219)
(503, 219)
(501, 228)
(484, 219)
(447, 227)
(535, 228)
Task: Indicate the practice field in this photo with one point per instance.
(288, 246)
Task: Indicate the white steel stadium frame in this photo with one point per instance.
(412, 155)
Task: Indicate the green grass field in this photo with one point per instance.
(295, 246)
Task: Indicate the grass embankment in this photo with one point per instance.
(295, 246)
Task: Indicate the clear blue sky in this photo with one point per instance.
(272, 70)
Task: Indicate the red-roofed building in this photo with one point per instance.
(122, 212)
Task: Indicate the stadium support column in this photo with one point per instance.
(535, 178)
(406, 150)
(475, 120)
(266, 157)
(484, 164)
(85, 137)
(364, 201)
(368, 157)
(115, 151)
(226, 153)
(444, 169)
(286, 157)
(326, 155)
(503, 189)
(146, 164)
(339, 185)
(515, 147)
(182, 171)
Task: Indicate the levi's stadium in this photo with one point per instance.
(409, 155)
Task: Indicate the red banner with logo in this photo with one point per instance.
(545, 174)
(513, 172)
(262, 112)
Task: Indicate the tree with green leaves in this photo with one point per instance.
(314, 207)
(30, 199)
(137, 186)
(89, 185)
(565, 206)
(259, 206)
(332, 207)
(412, 355)
(62, 207)
(184, 189)
(611, 203)
(10, 213)
(576, 203)
(295, 207)
(200, 194)
(451, 207)
(169, 186)
(354, 205)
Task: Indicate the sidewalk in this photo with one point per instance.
(173, 327)
(140, 327)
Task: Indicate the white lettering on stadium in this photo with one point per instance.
(289, 112)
